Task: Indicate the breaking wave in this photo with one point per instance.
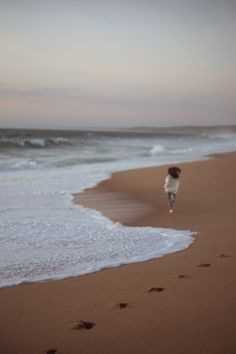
(18, 142)
(157, 149)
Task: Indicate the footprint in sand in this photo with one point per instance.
(204, 265)
(184, 276)
(82, 325)
(224, 255)
(51, 351)
(122, 305)
(157, 290)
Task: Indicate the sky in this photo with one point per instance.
(73, 64)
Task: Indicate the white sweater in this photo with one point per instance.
(171, 184)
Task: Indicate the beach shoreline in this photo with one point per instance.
(194, 310)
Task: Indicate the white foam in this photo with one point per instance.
(58, 140)
(37, 142)
(25, 164)
(157, 149)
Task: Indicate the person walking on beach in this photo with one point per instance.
(172, 185)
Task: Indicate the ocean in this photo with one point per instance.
(44, 236)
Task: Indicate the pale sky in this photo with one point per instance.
(117, 63)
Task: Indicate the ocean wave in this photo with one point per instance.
(59, 140)
(25, 164)
(157, 149)
(18, 142)
(36, 142)
(182, 151)
(226, 135)
(11, 143)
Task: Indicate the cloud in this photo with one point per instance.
(40, 93)
(80, 100)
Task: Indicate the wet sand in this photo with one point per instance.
(181, 303)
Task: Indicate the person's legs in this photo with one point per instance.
(171, 200)
(173, 197)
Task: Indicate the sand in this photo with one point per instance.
(193, 309)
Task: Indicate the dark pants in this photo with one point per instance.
(171, 199)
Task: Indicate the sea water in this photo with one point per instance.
(44, 236)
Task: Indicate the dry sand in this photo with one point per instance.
(194, 312)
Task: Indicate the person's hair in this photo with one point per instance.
(174, 172)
